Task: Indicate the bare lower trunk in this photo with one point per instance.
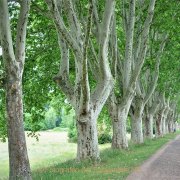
(119, 140)
(149, 126)
(170, 127)
(167, 130)
(136, 129)
(159, 126)
(87, 139)
(164, 126)
(18, 158)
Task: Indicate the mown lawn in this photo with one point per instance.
(53, 158)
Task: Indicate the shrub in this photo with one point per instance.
(104, 138)
(72, 132)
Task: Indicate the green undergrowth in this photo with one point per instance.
(114, 165)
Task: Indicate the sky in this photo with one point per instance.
(0, 51)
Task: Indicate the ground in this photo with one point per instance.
(52, 157)
(163, 165)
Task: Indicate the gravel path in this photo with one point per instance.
(164, 165)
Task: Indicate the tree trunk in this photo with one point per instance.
(18, 158)
(149, 126)
(88, 103)
(87, 146)
(167, 130)
(136, 129)
(164, 125)
(136, 120)
(119, 140)
(159, 126)
(19, 167)
(170, 127)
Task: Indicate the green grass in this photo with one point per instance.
(114, 164)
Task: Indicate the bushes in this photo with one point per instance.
(104, 129)
(72, 132)
(50, 120)
(104, 135)
(3, 123)
(104, 138)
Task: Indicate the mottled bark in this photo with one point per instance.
(150, 110)
(159, 125)
(86, 102)
(118, 113)
(163, 125)
(119, 118)
(170, 127)
(87, 138)
(19, 167)
(136, 122)
(148, 126)
(18, 158)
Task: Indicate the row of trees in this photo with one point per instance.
(110, 54)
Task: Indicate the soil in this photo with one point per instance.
(163, 165)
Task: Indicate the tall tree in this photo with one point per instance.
(136, 33)
(14, 65)
(75, 35)
(144, 91)
(150, 110)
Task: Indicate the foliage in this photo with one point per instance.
(50, 120)
(104, 127)
(104, 138)
(128, 128)
(3, 125)
(72, 132)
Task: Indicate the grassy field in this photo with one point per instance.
(52, 158)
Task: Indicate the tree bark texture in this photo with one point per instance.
(19, 167)
(159, 126)
(136, 129)
(87, 138)
(148, 126)
(18, 158)
(119, 119)
(119, 113)
(86, 102)
(136, 120)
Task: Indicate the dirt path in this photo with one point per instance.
(164, 165)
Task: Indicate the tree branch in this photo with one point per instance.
(129, 45)
(85, 89)
(105, 82)
(5, 34)
(74, 22)
(143, 43)
(21, 33)
(61, 28)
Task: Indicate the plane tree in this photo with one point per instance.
(13, 64)
(74, 38)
